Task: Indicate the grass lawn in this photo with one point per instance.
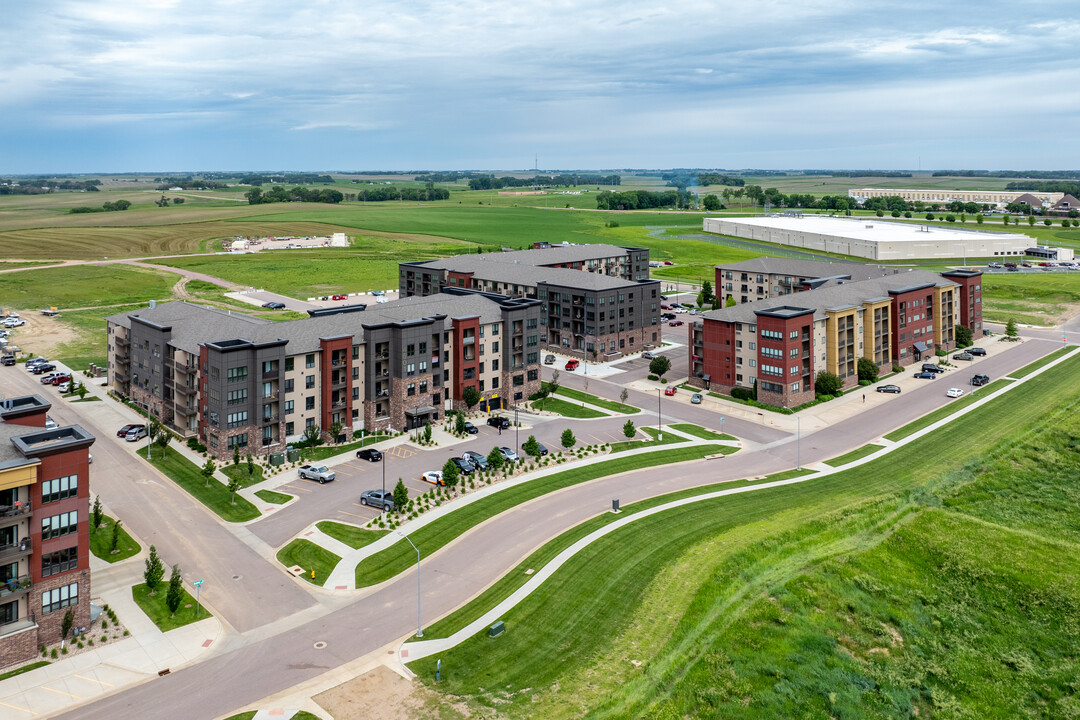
(669, 439)
(567, 409)
(852, 595)
(300, 715)
(322, 452)
(351, 535)
(240, 472)
(155, 608)
(309, 556)
(700, 432)
(945, 410)
(430, 538)
(273, 497)
(215, 496)
(101, 542)
(598, 401)
(23, 669)
(1032, 367)
(88, 398)
(88, 345)
(853, 455)
(85, 286)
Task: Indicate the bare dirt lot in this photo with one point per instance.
(382, 694)
(42, 335)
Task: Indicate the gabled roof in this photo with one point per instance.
(1029, 199)
(1068, 202)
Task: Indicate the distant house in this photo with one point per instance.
(1030, 200)
(1065, 205)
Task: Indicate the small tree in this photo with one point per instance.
(828, 383)
(154, 429)
(450, 474)
(730, 302)
(568, 439)
(963, 336)
(335, 431)
(978, 219)
(96, 513)
(624, 395)
(81, 392)
(531, 447)
(155, 570)
(459, 423)
(401, 494)
(553, 384)
(236, 456)
(659, 365)
(66, 623)
(114, 541)
(250, 466)
(164, 437)
(495, 459)
(1031, 220)
(175, 593)
(629, 430)
(234, 485)
(867, 370)
(1010, 330)
(427, 432)
(207, 470)
(471, 396)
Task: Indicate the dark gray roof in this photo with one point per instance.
(484, 267)
(1068, 201)
(8, 432)
(810, 268)
(1029, 199)
(832, 296)
(557, 254)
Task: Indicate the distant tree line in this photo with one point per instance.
(678, 180)
(380, 193)
(288, 178)
(490, 182)
(1070, 188)
(279, 193)
(190, 185)
(41, 187)
(859, 173)
(643, 199)
(445, 177)
(1031, 174)
(115, 206)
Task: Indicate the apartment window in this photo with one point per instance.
(309, 423)
(423, 364)
(57, 525)
(530, 324)
(410, 369)
(423, 387)
(410, 349)
(531, 358)
(531, 341)
(269, 366)
(794, 369)
(772, 335)
(213, 441)
(468, 373)
(237, 441)
(495, 383)
(795, 387)
(309, 403)
(423, 348)
(309, 360)
(519, 380)
(289, 406)
(288, 364)
(237, 419)
(60, 488)
(410, 389)
(59, 561)
(289, 385)
(61, 597)
(236, 374)
(772, 369)
(495, 346)
(355, 352)
(236, 397)
(533, 375)
(309, 381)
(495, 329)
(289, 428)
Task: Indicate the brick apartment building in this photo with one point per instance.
(44, 528)
(781, 343)
(768, 277)
(596, 300)
(237, 381)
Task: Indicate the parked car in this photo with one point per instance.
(48, 379)
(978, 352)
(508, 454)
(954, 392)
(963, 356)
(476, 459)
(994, 265)
(497, 421)
(1013, 269)
(696, 399)
(60, 377)
(340, 297)
(7, 360)
(274, 305)
(931, 367)
(382, 499)
(675, 323)
(34, 362)
(321, 473)
(572, 364)
(122, 432)
(433, 476)
(1010, 264)
(541, 448)
(894, 389)
(549, 359)
(647, 355)
(464, 465)
(14, 322)
(670, 390)
(50, 423)
(667, 316)
(979, 379)
(136, 433)
(64, 387)
(43, 368)
(369, 454)
(470, 429)
(925, 375)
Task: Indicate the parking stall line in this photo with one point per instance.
(299, 489)
(362, 517)
(16, 707)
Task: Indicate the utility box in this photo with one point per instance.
(497, 629)
(277, 458)
(615, 505)
(293, 455)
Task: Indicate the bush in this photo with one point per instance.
(941, 353)
(898, 368)
(828, 383)
(653, 377)
(864, 383)
(867, 370)
(742, 393)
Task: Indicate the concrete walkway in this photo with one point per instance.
(411, 651)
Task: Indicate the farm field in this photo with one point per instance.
(939, 588)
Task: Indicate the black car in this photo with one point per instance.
(476, 459)
(979, 352)
(274, 305)
(43, 368)
(925, 375)
(499, 422)
(369, 454)
(980, 379)
(542, 448)
(470, 429)
(894, 389)
(932, 368)
(465, 465)
(7, 360)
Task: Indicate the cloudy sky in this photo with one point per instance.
(154, 85)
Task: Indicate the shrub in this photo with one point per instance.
(828, 383)
(898, 368)
(941, 353)
(653, 377)
(742, 393)
(864, 383)
(54, 654)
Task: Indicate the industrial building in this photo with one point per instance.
(942, 196)
(872, 238)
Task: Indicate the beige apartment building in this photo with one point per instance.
(942, 195)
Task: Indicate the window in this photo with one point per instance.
(309, 403)
(495, 329)
(289, 429)
(423, 348)
(772, 369)
(59, 561)
(309, 360)
(410, 349)
(410, 389)
(533, 375)
(423, 387)
(530, 324)
(519, 380)
(237, 419)
(410, 369)
(60, 488)
(289, 385)
(309, 423)
(269, 366)
(795, 370)
(57, 525)
(530, 341)
(309, 381)
(495, 346)
(531, 358)
(236, 397)
(772, 334)
(288, 364)
(237, 441)
(289, 405)
(236, 374)
(423, 365)
(495, 383)
(61, 597)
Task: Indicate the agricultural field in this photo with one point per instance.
(936, 582)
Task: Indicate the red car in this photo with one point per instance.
(60, 378)
(572, 364)
(340, 297)
(669, 390)
(122, 432)
(675, 323)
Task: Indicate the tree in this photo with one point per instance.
(827, 383)
(1010, 330)
(867, 370)
(629, 430)
(175, 595)
(978, 219)
(929, 216)
(164, 437)
(730, 302)
(659, 365)
(963, 336)
(450, 474)
(401, 494)
(553, 384)
(471, 396)
(234, 485)
(705, 297)
(236, 456)
(66, 623)
(568, 439)
(532, 447)
(335, 431)
(207, 470)
(427, 432)
(155, 570)
(712, 203)
(81, 392)
(459, 423)
(495, 459)
(624, 395)
(154, 429)
(96, 513)
(1031, 220)
(114, 541)
(250, 467)
(312, 435)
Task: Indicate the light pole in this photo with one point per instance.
(798, 442)
(517, 433)
(383, 463)
(419, 629)
(659, 417)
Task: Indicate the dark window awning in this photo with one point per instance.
(707, 378)
(422, 410)
(921, 347)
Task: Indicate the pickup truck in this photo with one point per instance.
(317, 472)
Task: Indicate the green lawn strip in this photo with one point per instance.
(88, 398)
(1032, 367)
(669, 439)
(101, 542)
(598, 401)
(853, 455)
(567, 409)
(946, 410)
(514, 579)
(243, 716)
(351, 535)
(273, 497)
(23, 669)
(700, 432)
(322, 452)
(309, 556)
(430, 538)
(155, 608)
(215, 496)
(563, 629)
(240, 472)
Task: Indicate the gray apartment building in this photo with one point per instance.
(770, 277)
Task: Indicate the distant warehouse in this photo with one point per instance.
(874, 239)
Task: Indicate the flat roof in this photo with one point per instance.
(871, 228)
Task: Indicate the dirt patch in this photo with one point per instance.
(382, 694)
(42, 335)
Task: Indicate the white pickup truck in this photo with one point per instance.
(317, 472)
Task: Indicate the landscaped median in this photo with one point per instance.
(214, 495)
(155, 608)
(597, 401)
(101, 541)
(317, 562)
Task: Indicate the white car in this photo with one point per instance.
(14, 322)
(433, 476)
(64, 387)
(955, 392)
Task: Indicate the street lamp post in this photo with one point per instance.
(798, 442)
(517, 432)
(383, 463)
(659, 417)
(419, 628)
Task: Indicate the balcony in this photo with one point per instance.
(16, 551)
(14, 587)
(122, 341)
(185, 410)
(382, 356)
(17, 510)
(271, 419)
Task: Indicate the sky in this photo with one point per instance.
(165, 85)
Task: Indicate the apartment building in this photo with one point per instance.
(596, 300)
(945, 195)
(970, 293)
(780, 344)
(769, 277)
(44, 528)
(238, 381)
